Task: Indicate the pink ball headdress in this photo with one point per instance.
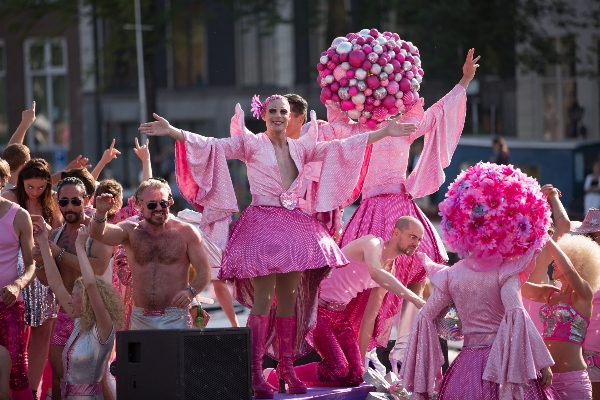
(494, 210)
(257, 107)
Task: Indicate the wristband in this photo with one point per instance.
(99, 219)
(193, 290)
(60, 255)
(41, 266)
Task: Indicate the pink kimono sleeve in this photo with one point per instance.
(442, 126)
(421, 370)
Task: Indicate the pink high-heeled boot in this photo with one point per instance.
(259, 325)
(286, 335)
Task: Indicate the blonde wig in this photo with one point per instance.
(584, 254)
(111, 301)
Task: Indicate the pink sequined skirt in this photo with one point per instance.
(377, 216)
(463, 379)
(267, 240)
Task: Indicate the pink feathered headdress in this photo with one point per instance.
(257, 107)
(494, 211)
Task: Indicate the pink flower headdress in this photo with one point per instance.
(257, 107)
(494, 212)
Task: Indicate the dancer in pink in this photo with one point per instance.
(371, 267)
(16, 233)
(496, 218)
(387, 194)
(274, 249)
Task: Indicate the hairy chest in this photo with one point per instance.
(168, 248)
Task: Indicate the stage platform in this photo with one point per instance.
(330, 393)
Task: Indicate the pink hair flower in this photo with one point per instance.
(256, 107)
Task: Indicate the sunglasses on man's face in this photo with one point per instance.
(151, 205)
(76, 201)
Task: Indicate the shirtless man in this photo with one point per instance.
(72, 199)
(160, 251)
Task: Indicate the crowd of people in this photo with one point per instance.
(78, 262)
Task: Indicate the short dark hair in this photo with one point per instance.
(84, 176)
(16, 154)
(298, 105)
(71, 180)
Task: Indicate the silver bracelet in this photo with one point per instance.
(99, 219)
(60, 255)
(41, 266)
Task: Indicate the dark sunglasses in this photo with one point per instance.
(151, 205)
(76, 201)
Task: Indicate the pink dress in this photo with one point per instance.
(502, 353)
(273, 235)
(387, 194)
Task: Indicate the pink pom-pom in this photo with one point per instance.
(350, 73)
(373, 82)
(320, 67)
(421, 72)
(393, 111)
(367, 49)
(356, 58)
(360, 41)
(353, 91)
(371, 123)
(393, 87)
(404, 84)
(343, 57)
(368, 92)
(366, 65)
(347, 105)
(389, 101)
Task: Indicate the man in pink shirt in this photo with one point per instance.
(371, 268)
(16, 233)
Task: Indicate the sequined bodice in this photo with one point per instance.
(562, 322)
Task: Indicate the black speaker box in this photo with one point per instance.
(188, 364)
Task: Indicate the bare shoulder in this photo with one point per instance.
(22, 219)
(187, 230)
(10, 195)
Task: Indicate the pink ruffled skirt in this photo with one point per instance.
(377, 216)
(463, 379)
(268, 240)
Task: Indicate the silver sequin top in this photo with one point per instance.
(563, 322)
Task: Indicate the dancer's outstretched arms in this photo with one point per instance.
(469, 68)
(108, 155)
(393, 129)
(160, 127)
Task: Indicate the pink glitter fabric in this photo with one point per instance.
(574, 385)
(12, 336)
(463, 379)
(592, 339)
(488, 302)
(335, 341)
(62, 330)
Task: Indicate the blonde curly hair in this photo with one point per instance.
(111, 300)
(584, 254)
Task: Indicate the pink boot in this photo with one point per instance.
(259, 325)
(286, 335)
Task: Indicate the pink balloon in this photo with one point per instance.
(339, 73)
(410, 59)
(400, 57)
(353, 91)
(389, 101)
(366, 65)
(326, 93)
(331, 53)
(369, 40)
(385, 83)
(395, 63)
(395, 36)
(350, 73)
(368, 92)
(344, 82)
(367, 49)
(360, 41)
(373, 82)
(421, 72)
(404, 84)
(393, 87)
(371, 123)
(347, 105)
(320, 67)
(326, 72)
(335, 98)
(393, 111)
(369, 107)
(374, 32)
(376, 103)
(336, 58)
(331, 65)
(362, 120)
(335, 86)
(382, 61)
(409, 75)
(405, 46)
(370, 100)
(356, 58)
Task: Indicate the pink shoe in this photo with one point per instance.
(259, 325)
(286, 335)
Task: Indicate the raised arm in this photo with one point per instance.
(78, 162)
(161, 127)
(103, 319)
(108, 155)
(27, 118)
(469, 68)
(51, 272)
(570, 275)
(143, 152)
(24, 231)
(537, 292)
(109, 234)
(199, 261)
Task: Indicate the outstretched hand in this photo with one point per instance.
(396, 129)
(550, 190)
(110, 153)
(160, 127)
(143, 152)
(79, 162)
(469, 68)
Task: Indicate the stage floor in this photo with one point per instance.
(329, 393)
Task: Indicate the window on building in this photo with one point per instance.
(189, 46)
(561, 111)
(46, 83)
(3, 112)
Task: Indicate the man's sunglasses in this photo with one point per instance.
(151, 205)
(76, 201)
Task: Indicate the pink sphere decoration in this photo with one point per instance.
(344, 82)
(371, 123)
(393, 87)
(366, 65)
(362, 120)
(389, 101)
(369, 107)
(327, 71)
(331, 65)
(339, 73)
(347, 105)
(359, 107)
(356, 58)
(421, 72)
(405, 46)
(396, 64)
(410, 59)
(408, 107)
(370, 100)
(374, 32)
(343, 57)
(331, 53)
(376, 103)
(407, 98)
(415, 96)
(368, 92)
(360, 40)
(393, 111)
(400, 58)
(404, 84)
(350, 73)
(409, 75)
(353, 91)
(326, 93)
(385, 83)
(395, 36)
(382, 61)
(336, 58)
(335, 86)
(367, 49)
(320, 67)
(369, 40)
(373, 82)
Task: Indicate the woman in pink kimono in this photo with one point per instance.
(496, 218)
(275, 250)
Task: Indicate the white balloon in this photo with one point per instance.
(353, 41)
(364, 32)
(352, 82)
(397, 76)
(338, 40)
(324, 59)
(345, 65)
(419, 78)
(329, 79)
(392, 54)
(375, 69)
(406, 65)
(403, 52)
(359, 98)
(344, 48)
(381, 40)
(360, 74)
(377, 49)
(388, 68)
